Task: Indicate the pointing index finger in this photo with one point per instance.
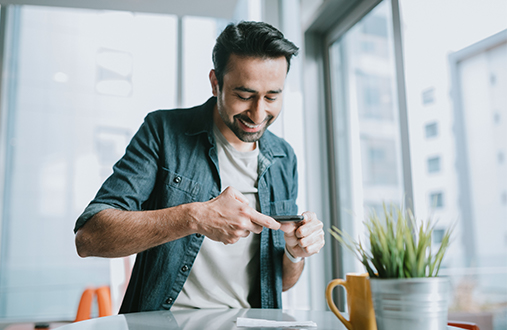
(265, 221)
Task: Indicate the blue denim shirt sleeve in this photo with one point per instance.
(89, 212)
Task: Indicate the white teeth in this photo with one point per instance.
(249, 125)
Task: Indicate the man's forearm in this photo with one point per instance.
(116, 233)
(291, 272)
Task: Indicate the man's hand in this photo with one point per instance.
(227, 218)
(304, 238)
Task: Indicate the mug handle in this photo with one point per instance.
(330, 302)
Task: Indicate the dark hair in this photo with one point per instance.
(251, 39)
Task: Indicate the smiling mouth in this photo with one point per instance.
(251, 126)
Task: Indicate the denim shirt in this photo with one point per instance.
(172, 160)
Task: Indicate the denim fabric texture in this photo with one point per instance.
(172, 160)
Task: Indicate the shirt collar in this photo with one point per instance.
(202, 122)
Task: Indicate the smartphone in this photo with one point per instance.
(288, 218)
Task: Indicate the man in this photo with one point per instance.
(193, 194)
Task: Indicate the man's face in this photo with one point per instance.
(250, 99)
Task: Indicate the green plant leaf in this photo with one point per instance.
(399, 245)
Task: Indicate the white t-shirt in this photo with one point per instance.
(222, 275)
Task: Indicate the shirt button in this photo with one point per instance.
(184, 268)
(198, 235)
(169, 301)
(177, 179)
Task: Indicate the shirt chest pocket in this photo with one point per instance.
(176, 189)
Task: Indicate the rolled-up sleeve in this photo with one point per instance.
(90, 211)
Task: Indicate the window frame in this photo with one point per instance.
(319, 37)
(361, 10)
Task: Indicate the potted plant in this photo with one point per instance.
(406, 291)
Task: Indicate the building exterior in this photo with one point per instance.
(479, 94)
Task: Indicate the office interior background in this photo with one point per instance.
(392, 101)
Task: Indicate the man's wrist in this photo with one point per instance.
(291, 257)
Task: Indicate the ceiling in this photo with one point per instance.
(208, 8)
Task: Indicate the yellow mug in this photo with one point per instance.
(361, 313)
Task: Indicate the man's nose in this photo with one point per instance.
(258, 110)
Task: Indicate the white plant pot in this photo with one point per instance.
(410, 303)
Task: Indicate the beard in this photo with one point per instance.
(235, 127)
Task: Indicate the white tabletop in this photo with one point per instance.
(198, 319)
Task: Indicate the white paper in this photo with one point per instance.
(249, 323)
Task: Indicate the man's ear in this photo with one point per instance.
(214, 82)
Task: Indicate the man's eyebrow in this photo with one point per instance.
(244, 89)
(249, 90)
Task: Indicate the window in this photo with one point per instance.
(492, 79)
(476, 256)
(374, 33)
(428, 96)
(436, 200)
(375, 25)
(438, 235)
(379, 167)
(431, 130)
(496, 117)
(199, 38)
(433, 164)
(114, 72)
(365, 114)
(374, 96)
(469, 61)
(80, 83)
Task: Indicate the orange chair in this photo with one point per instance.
(463, 325)
(104, 301)
(84, 310)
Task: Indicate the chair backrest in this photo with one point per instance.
(463, 325)
(84, 310)
(104, 301)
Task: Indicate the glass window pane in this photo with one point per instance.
(466, 68)
(379, 166)
(428, 96)
(431, 130)
(433, 165)
(199, 35)
(365, 121)
(436, 200)
(438, 235)
(79, 84)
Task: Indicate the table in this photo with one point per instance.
(199, 319)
